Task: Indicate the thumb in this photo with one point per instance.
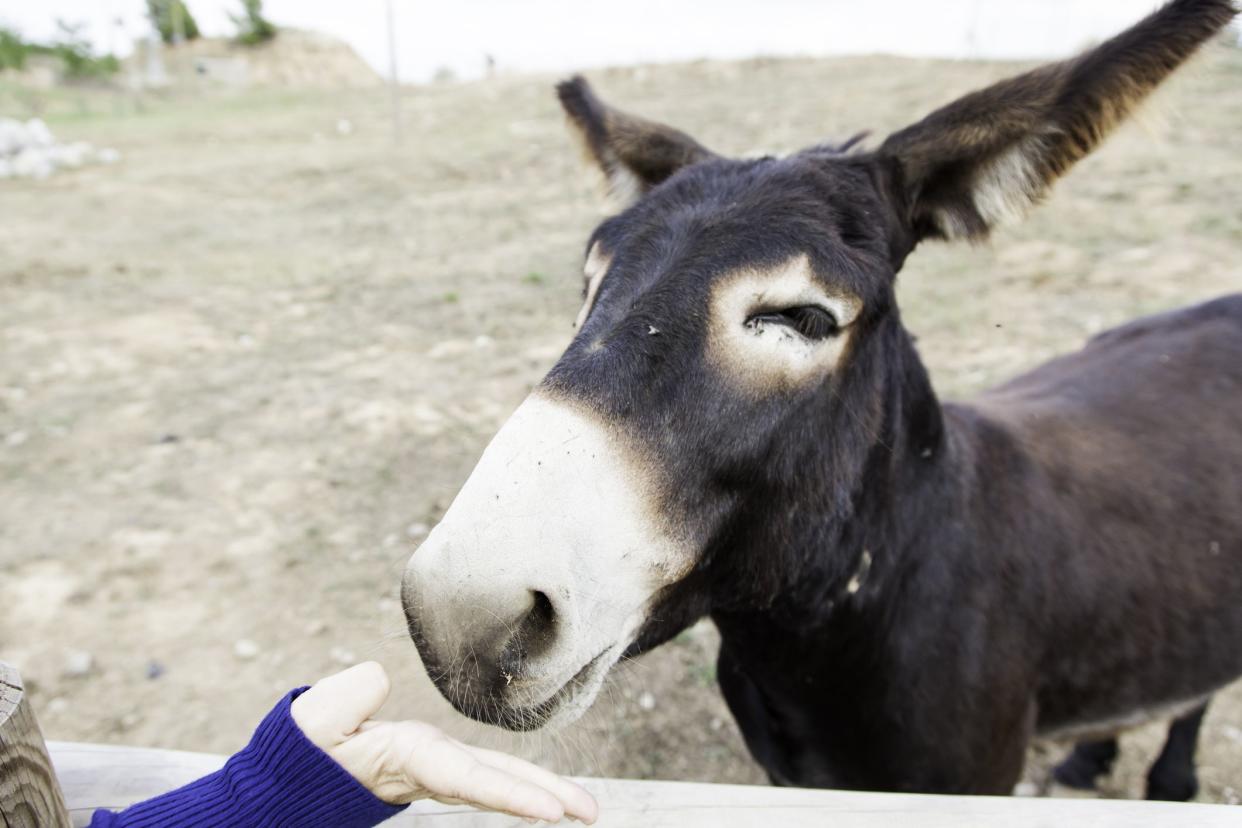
(334, 708)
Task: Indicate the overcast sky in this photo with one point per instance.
(559, 35)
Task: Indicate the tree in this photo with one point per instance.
(164, 17)
(70, 47)
(252, 27)
(13, 50)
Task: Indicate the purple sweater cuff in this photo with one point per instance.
(279, 779)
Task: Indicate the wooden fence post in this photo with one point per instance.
(29, 794)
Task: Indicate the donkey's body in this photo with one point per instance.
(1036, 567)
(742, 429)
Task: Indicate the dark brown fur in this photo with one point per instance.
(907, 592)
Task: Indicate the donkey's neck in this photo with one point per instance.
(828, 662)
(922, 517)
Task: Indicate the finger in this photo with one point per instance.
(456, 774)
(576, 800)
(448, 800)
(338, 704)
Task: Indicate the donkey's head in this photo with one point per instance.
(740, 391)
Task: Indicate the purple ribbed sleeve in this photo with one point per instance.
(279, 779)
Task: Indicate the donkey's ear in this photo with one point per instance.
(633, 153)
(992, 154)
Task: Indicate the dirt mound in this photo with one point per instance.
(294, 59)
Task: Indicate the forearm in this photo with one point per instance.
(279, 779)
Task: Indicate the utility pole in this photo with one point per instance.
(178, 23)
(394, 82)
(178, 40)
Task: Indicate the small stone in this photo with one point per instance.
(716, 723)
(646, 701)
(390, 541)
(417, 530)
(16, 438)
(317, 627)
(483, 341)
(245, 649)
(155, 670)
(1232, 733)
(57, 705)
(342, 656)
(1026, 789)
(344, 127)
(78, 664)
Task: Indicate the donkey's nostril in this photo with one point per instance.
(538, 628)
(542, 614)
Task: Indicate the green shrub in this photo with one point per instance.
(13, 50)
(162, 14)
(73, 51)
(252, 27)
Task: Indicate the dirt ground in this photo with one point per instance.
(243, 370)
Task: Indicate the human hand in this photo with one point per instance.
(403, 761)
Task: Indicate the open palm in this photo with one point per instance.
(401, 762)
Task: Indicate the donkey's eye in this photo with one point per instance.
(812, 321)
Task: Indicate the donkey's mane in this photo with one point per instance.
(849, 146)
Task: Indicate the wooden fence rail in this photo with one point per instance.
(101, 776)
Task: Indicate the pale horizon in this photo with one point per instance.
(564, 35)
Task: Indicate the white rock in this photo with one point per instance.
(32, 163)
(72, 155)
(78, 664)
(646, 701)
(245, 649)
(342, 656)
(30, 150)
(417, 530)
(1026, 789)
(37, 134)
(316, 627)
(12, 136)
(345, 126)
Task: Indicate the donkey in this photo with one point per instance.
(907, 592)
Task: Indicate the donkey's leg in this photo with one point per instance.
(1089, 761)
(746, 705)
(1172, 776)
